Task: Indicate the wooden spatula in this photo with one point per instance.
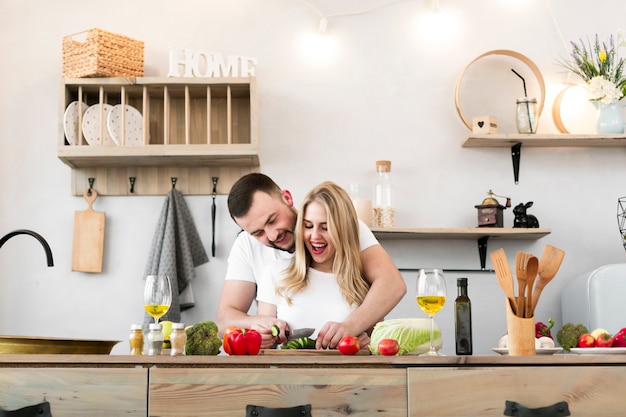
(88, 245)
(532, 265)
(505, 278)
(549, 265)
(521, 259)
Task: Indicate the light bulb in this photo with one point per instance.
(319, 46)
(438, 25)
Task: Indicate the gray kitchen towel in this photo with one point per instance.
(176, 251)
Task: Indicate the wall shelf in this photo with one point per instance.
(480, 234)
(515, 142)
(192, 129)
(543, 141)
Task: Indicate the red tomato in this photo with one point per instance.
(388, 347)
(586, 341)
(619, 338)
(604, 340)
(349, 345)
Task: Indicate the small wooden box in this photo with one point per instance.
(485, 124)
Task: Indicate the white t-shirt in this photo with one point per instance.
(320, 302)
(248, 257)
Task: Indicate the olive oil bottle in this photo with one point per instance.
(463, 319)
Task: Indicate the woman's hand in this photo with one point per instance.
(332, 332)
(264, 326)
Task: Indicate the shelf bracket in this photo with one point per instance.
(482, 251)
(516, 151)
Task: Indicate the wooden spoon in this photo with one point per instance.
(532, 265)
(505, 278)
(549, 265)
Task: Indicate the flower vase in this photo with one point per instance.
(610, 119)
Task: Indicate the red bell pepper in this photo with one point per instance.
(542, 330)
(239, 341)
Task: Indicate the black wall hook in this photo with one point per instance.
(91, 181)
(174, 179)
(132, 184)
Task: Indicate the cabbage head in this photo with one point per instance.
(413, 335)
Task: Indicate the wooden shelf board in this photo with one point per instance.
(551, 140)
(461, 233)
(159, 155)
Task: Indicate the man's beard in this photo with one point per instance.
(290, 249)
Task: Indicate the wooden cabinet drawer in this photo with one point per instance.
(94, 392)
(588, 390)
(226, 392)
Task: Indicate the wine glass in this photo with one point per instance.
(431, 296)
(157, 296)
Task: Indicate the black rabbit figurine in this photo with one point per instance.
(523, 220)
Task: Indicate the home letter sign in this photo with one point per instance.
(209, 64)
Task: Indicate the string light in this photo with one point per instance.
(319, 46)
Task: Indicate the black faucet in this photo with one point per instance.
(37, 236)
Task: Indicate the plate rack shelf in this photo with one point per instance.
(192, 129)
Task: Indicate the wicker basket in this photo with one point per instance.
(101, 54)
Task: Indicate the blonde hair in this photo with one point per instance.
(343, 228)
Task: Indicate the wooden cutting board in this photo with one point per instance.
(323, 352)
(88, 246)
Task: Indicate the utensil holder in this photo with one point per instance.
(521, 332)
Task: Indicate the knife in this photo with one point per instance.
(213, 209)
(298, 333)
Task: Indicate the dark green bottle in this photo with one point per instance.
(463, 319)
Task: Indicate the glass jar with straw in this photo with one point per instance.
(526, 111)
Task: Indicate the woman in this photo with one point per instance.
(323, 282)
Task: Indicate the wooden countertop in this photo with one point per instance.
(306, 360)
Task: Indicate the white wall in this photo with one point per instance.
(387, 95)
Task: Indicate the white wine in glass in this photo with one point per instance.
(157, 296)
(430, 293)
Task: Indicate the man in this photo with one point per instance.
(268, 217)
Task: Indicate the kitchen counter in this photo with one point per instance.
(335, 385)
(289, 360)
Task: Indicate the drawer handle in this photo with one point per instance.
(298, 411)
(511, 408)
(38, 410)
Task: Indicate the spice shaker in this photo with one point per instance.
(136, 339)
(178, 339)
(155, 339)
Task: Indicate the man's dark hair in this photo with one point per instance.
(242, 192)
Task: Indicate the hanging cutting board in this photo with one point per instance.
(88, 246)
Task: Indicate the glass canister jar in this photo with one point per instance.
(384, 210)
(155, 339)
(136, 339)
(178, 339)
(526, 115)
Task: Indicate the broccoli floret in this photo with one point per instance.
(202, 339)
(569, 334)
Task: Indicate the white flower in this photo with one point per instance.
(604, 90)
